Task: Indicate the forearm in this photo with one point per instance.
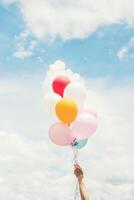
(83, 190)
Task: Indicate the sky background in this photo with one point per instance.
(94, 39)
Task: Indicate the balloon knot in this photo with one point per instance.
(75, 142)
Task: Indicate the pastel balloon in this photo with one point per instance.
(75, 91)
(50, 101)
(60, 134)
(66, 110)
(84, 126)
(90, 110)
(59, 84)
(81, 143)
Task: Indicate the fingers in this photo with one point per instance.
(77, 166)
(78, 171)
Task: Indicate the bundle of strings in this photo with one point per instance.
(75, 152)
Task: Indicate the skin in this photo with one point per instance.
(80, 176)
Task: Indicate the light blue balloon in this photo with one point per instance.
(81, 143)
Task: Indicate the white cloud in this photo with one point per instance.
(24, 47)
(56, 69)
(74, 19)
(8, 2)
(122, 53)
(127, 51)
(22, 53)
(25, 172)
(31, 167)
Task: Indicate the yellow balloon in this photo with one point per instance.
(66, 110)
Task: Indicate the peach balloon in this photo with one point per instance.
(60, 134)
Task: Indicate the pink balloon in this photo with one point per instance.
(91, 110)
(60, 134)
(84, 126)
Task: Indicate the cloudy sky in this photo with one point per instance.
(94, 38)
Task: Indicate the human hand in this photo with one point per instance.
(78, 171)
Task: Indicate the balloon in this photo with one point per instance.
(90, 110)
(60, 134)
(59, 84)
(81, 143)
(50, 101)
(84, 126)
(75, 91)
(66, 110)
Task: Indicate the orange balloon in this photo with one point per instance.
(66, 110)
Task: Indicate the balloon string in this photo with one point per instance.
(75, 152)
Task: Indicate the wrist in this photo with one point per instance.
(80, 178)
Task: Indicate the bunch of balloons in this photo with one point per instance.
(76, 123)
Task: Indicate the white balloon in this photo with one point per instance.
(50, 101)
(76, 91)
(91, 110)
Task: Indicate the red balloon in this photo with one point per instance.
(59, 84)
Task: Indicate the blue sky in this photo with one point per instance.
(93, 56)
